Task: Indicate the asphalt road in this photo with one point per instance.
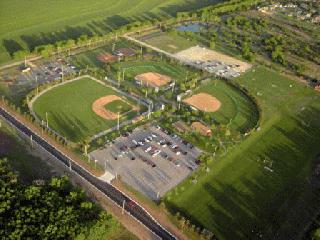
(133, 208)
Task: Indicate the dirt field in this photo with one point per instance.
(107, 57)
(99, 107)
(204, 102)
(153, 79)
(202, 54)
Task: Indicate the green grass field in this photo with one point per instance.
(134, 68)
(26, 24)
(69, 109)
(236, 107)
(240, 199)
(168, 42)
(118, 106)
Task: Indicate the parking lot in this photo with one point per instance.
(22, 79)
(45, 72)
(151, 160)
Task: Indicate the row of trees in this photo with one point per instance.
(53, 210)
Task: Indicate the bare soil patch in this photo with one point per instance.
(202, 54)
(204, 102)
(153, 79)
(106, 57)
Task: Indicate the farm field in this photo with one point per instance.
(262, 188)
(60, 20)
(70, 108)
(237, 109)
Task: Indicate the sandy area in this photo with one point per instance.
(153, 79)
(204, 102)
(100, 110)
(202, 54)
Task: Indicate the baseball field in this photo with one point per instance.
(133, 68)
(64, 19)
(83, 108)
(263, 188)
(226, 104)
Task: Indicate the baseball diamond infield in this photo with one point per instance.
(153, 79)
(204, 102)
(100, 106)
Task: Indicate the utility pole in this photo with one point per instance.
(118, 126)
(37, 85)
(123, 204)
(70, 167)
(25, 61)
(31, 141)
(62, 73)
(47, 120)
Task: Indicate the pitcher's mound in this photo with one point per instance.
(204, 102)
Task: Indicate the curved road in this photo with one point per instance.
(108, 190)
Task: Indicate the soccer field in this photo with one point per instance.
(70, 108)
(21, 22)
(240, 197)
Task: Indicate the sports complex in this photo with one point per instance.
(222, 144)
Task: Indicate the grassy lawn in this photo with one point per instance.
(240, 198)
(236, 107)
(69, 109)
(20, 158)
(22, 22)
(168, 42)
(134, 68)
(118, 106)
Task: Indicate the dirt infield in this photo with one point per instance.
(100, 110)
(202, 54)
(204, 102)
(153, 79)
(106, 57)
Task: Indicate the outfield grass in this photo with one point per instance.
(118, 106)
(168, 42)
(21, 22)
(236, 107)
(134, 68)
(69, 109)
(239, 197)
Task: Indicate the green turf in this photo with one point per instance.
(20, 158)
(169, 42)
(118, 106)
(21, 22)
(236, 107)
(134, 68)
(69, 109)
(239, 197)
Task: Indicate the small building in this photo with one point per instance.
(125, 52)
(180, 126)
(317, 88)
(201, 128)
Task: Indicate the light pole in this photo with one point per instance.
(47, 120)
